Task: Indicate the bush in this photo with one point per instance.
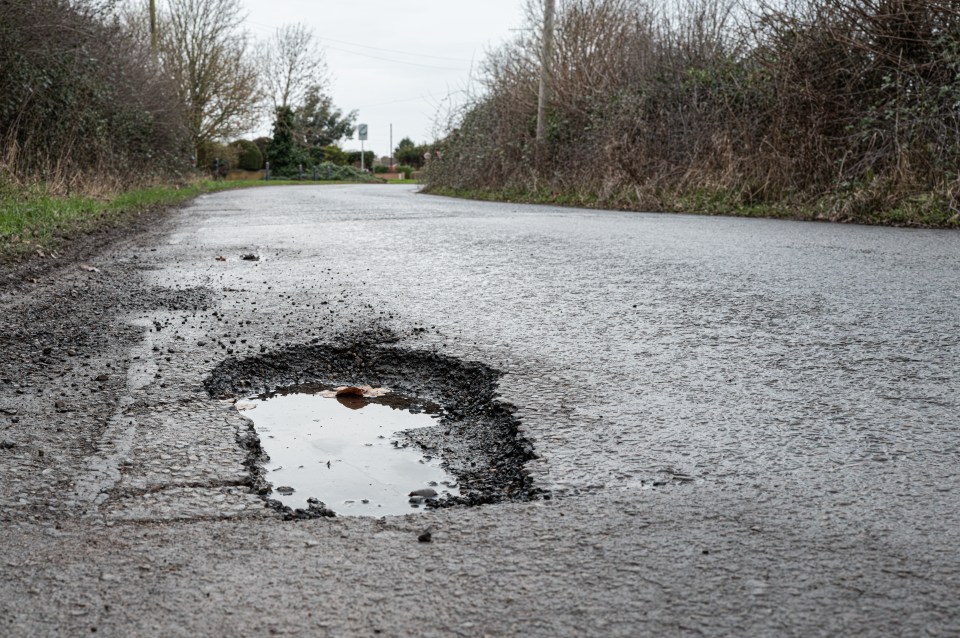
(412, 154)
(331, 171)
(326, 171)
(802, 101)
(83, 103)
(249, 157)
(332, 154)
(263, 145)
(210, 152)
(406, 169)
(353, 158)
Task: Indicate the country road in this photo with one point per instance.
(723, 427)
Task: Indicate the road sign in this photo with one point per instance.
(362, 132)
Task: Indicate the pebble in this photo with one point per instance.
(7, 444)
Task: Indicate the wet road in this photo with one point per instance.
(748, 427)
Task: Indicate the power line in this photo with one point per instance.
(420, 55)
(366, 46)
(376, 57)
(419, 98)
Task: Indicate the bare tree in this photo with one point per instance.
(292, 63)
(203, 48)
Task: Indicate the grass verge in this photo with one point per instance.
(924, 211)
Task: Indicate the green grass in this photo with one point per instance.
(920, 212)
(34, 223)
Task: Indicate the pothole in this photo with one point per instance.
(344, 452)
(442, 414)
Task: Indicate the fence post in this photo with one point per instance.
(266, 174)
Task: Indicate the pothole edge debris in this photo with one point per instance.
(477, 437)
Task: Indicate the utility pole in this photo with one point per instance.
(391, 148)
(546, 55)
(153, 25)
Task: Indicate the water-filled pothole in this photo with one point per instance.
(475, 437)
(345, 453)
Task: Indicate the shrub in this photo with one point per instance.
(353, 158)
(806, 98)
(263, 145)
(249, 157)
(210, 152)
(331, 171)
(332, 154)
(82, 102)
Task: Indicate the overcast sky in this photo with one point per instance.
(396, 61)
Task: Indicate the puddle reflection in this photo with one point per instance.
(342, 451)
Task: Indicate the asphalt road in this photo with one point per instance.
(744, 427)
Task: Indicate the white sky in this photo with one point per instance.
(425, 51)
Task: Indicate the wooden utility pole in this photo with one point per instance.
(153, 25)
(546, 54)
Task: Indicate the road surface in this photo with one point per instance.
(740, 427)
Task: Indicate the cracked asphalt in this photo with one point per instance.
(744, 427)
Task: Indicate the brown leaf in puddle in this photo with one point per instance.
(220, 258)
(349, 390)
(352, 401)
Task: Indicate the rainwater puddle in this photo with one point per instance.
(344, 452)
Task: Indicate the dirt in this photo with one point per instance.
(21, 272)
